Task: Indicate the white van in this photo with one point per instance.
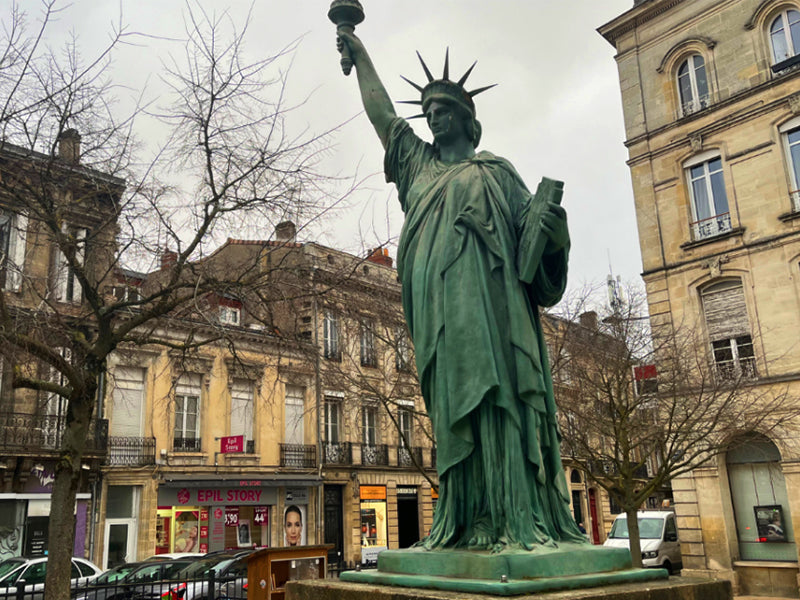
(658, 535)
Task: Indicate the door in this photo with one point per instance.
(334, 529)
(407, 519)
(593, 514)
(120, 542)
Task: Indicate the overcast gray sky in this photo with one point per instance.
(556, 111)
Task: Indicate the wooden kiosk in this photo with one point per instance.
(269, 569)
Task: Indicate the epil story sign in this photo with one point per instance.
(210, 496)
(231, 444)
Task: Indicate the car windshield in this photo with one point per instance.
(9, 565)
(202, 567)
(649, 528)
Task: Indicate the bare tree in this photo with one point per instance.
(639, 408)
(80, 206)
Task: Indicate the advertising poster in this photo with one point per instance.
(373, 522)
(294, 525)
(769, 522)
(187, 530)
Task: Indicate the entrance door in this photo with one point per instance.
(407, 520)
(593, 513)
(120, 542)
(334, 529)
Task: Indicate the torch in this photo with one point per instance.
(346, 14)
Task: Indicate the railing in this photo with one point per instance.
(375, 455)
(141, 585)
(187, 444)
(337, 453)
(695, 105)
(250, 447)
(706, 228)
(131, 451)
(298, 456)
(26, 432)
(407, 457)
(732, 370)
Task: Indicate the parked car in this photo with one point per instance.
(33, 569)
(174, 555)
(230, 573)
(132, 579)
(658, 535)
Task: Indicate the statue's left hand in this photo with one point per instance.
(554, 224)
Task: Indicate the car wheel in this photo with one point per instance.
(668, 566)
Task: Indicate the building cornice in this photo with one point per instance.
(633, 18)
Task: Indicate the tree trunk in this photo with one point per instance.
(633, 537)
(61, 536)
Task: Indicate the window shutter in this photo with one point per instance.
(725, 310)
(294, 433)
(127, 402)
(19, 236)
(242, 408)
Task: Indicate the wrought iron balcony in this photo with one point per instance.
(409, 457)
(298, 456)
(187, 444)
(716, 225)
(337, 453)
(375, 455)
(131, 451)
(24, 432)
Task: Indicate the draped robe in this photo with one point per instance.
(480, 355)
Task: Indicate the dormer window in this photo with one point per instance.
(230, 315)
(693, 85)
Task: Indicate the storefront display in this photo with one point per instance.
(373, 522)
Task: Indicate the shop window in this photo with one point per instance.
(758, 487)
(187, 414)
(784, 37)
(242, 412)
(728, 327)
(693, 85)
(710, 213)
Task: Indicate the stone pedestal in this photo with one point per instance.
(674, 588)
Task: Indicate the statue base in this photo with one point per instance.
(509, 573)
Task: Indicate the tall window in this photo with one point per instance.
(791, 138)
(186, 436)
(709, 199)
(368, 356)
(403, 354)
(13, 233)
(294, 433)
(127, 407)
(728, 328)
(406, 424)
(369, 420)
(68, 288)
(330, 336)
(332, 419)
(784, 36)
(693, 84)
(242, 411)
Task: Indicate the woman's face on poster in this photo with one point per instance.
(293, 527)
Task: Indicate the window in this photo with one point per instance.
(791, 140)
(242, 411)
(330, 336)
(709, 199)
(294, 433)
(693, 85)
(368, 357)
(332, 419)
(187, 414)
(127, 402)
(229, 315)
(126, 293)
(68, 288)
(369, 420)
(728, 327)
(13, 233)
(784, 36)
(406, 425)
(403, 354)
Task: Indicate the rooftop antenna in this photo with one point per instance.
(614, 287)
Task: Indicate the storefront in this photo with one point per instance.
(374, 534)
(25, 517)
(206, 516)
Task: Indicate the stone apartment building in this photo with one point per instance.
(711, 101)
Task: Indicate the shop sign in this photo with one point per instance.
(260, 515)
(407, 491)
(203, 514)
(231, 444)
(373, 492)
(369, 554)
(205, 496)
(296, 495)
(231, 516)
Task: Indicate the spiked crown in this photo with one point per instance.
(444, 90)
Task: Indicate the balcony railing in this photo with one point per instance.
(25, 432)
(298, 456)
(187, 444)
(131, 451)
(337, 453)
(706, 228)
(375, 455)
(407, 457)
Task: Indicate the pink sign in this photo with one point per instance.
(231, 443)
(231, 516)
(260, 515)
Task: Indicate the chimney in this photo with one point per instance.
(380, 256)
(589, 320)
(168, 259)
(69, 146)
(286, 232)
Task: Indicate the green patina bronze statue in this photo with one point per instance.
(478, 255)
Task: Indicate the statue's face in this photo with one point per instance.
(445, 123)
